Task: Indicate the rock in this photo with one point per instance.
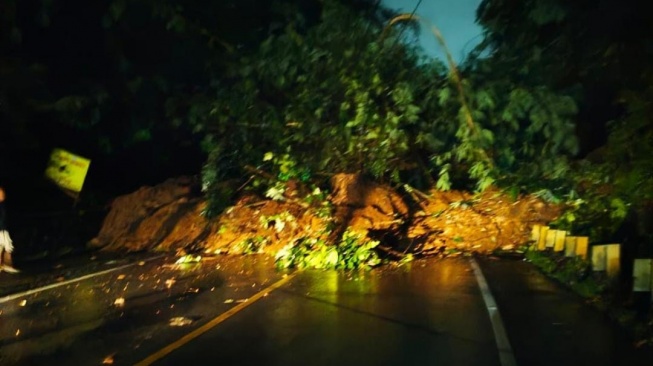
(363, 205)
(139, 220)
(189, 228)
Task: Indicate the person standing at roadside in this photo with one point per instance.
(6, 245)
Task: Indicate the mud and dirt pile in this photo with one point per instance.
(168, 217)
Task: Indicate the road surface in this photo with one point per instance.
(241, 311)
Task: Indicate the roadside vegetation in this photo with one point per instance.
(622, 306)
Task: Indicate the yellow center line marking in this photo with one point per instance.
(215, 321)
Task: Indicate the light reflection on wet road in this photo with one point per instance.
(427, 312)
(84, 322)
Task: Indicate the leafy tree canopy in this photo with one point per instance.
(346, 96)
(599, 54)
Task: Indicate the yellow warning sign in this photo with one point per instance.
(67, 170)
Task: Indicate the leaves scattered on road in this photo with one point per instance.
(180, 321)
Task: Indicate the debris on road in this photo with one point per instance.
(168, 217)
(189, 259)
(180, 321)
(108, 360)
(231, 301)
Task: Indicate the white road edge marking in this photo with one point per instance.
(58, 284)
(506, 355)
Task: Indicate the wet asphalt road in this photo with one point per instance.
(550, 326)
(428, 312)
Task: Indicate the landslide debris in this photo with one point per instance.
(168, 217)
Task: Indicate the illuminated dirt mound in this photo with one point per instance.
(168, 217)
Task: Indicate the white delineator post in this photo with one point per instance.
(606, 257)
(643, 276)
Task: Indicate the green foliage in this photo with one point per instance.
(550, 57)
(278, 221)
(355, 251)
(408, 258)
(594, 207)
(561, 54)
(563, 44)
(318, 201)
(464, 204)
(352, 252)
(307, 252)
(536, 129)
(316, 196)
(276, 192)
(567, 220)
(215, 182)
(601, 291)
(251, 245)
(286, 169)
(341, 98)
(548, 196)
(337, 98)
(573, 272)
(619, 181)
(628, 153)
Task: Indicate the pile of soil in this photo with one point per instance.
(168, 217)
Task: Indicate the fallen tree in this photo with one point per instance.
(168, 217)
